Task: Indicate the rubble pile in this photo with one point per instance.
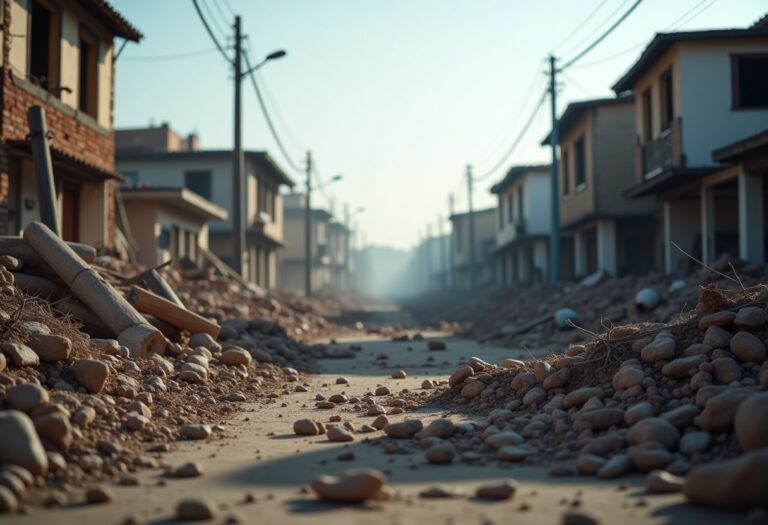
(220, 297)
(685, 401)
(526, 318)
(76, 410)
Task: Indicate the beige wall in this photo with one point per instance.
(71, 18)
(485, 232)
(579, 201)
(652, 79)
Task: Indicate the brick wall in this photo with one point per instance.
(83, 142)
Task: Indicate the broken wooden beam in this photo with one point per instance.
(39, 286)
(131, 329)
(16, 246)
(148, 302)
(92, 325)
(41, 157)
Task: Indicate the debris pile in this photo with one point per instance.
(77, 410)
(686, 401)
(531, 317)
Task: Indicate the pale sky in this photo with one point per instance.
(398, 96)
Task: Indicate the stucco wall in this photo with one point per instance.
(708, 120)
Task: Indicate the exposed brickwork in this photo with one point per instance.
(71, 136)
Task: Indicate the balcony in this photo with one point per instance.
(661, 153)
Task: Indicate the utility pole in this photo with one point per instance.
(428, 246)
(443, 255)
(308, 231)
(451, 279)
(554, 236)
(471, 218)
(238, 195)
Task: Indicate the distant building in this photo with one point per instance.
(293, 258)
(340, 260)
(699, 92)
(209, 174)
(610, 232)
(485, 241)
(168, 223)
(523, 222)
(60, 55)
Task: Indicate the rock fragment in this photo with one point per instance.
(350, 486)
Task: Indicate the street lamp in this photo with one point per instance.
(308, 225)
(238, 183)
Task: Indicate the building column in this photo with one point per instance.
(707, 224)
(681, 226)
(541, 258)
(751, 232)
(606, 246)
(522, 273)
(579, 254)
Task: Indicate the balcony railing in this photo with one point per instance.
(663, 152)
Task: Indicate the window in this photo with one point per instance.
(520, 210)
(667, 100)
(749, 74)
(87, 87)
(566, 175)
(647, 115)
(510, 208)
(580, 167)
(164, 239)
(131, 178)
(199, 182)
(44, 39)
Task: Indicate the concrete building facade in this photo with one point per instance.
(697, 93)
(60, 55)
(209, 174)
(485, 241)
(610, 232)
(168, 223)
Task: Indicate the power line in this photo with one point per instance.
(517, 140)
(172, 56)
(603, 36)
(673, 25)
(229, 7)
(581, 25)
(681, 24)
(598, 28)
(576, 84)
(220, 11)
(210, 32)
(501, 139)
(213, 19)
(268, 118)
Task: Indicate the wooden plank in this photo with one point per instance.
(131, 328)
(148, 302)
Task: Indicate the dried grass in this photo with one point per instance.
(20, 308)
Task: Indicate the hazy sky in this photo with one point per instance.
(397, 95)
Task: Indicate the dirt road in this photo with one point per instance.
(258, 454)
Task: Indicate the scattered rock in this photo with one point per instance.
(662, 482)
(339, 434)
(26, 397)
(748, 348)
(399, 374)
(404, 429)
(436, 345)
(654, 429)
(20, 355)
(188, 470)
(98, 494)
(751, 422)
(732, 483)
(305, 427)
(440, 454)
(92, 374)
(350, 486)
(195, 431)
(195, 509)
(19, 443)
(497, 491)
